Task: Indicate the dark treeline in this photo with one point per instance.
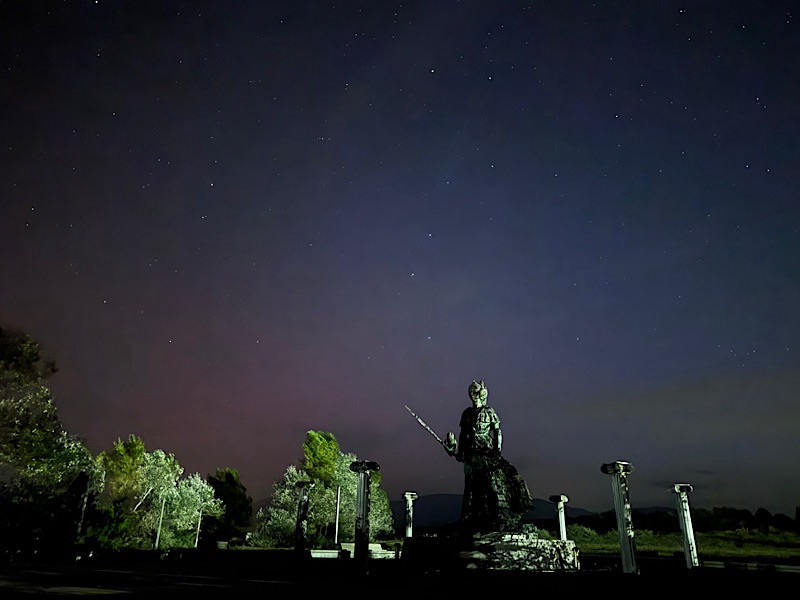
(703, 520)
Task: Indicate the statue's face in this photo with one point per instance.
(478, 393)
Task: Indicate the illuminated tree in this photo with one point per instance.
(381, 520)
(275, 525)
(320, 453)
(186, 506)
(160, 475)
(46, 474)
(123, 467)
(143, 500)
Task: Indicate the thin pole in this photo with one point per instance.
(160, 520)
(336, 528)
(197, 535)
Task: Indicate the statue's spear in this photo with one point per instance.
(425, 425)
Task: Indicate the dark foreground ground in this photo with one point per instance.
(262, 574)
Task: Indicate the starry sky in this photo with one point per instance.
(233, 222)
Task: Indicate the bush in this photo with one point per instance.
(581, 533)
(540, 533)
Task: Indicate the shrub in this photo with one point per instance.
(580, 533)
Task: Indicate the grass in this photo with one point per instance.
(777, 545)
(742, 543)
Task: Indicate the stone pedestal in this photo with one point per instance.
(491, 551)
(505, 551)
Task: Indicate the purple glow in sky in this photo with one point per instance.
(230, 223)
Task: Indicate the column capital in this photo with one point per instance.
(618, 467)
(682, 488)
(361, 466)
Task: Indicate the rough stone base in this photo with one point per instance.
(518, 552)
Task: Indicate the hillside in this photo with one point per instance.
(435, 510)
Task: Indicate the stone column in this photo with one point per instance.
(361, 547)
(409, 497)
(559, 501)
(619, 472)
(301, 526)
(685, 517)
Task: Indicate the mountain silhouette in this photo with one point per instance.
(436, 510)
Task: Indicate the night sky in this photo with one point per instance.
(233, 222)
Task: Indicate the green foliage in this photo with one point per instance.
(160, 473)
(381, 521)
(145, 500)
(320, 452)
(49, 481)
(34, 448)
(123, 469)
(45, 473)
(581, 533)
(530, 528)
(749, 543)
(275, 525)
(108, 527)
(346, 485)
(185, 506)
(135, 481)
(738, 543)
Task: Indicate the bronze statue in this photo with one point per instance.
(495, 494)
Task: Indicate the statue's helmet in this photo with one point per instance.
(478, 392)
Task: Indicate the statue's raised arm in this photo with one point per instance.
(449, 443)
